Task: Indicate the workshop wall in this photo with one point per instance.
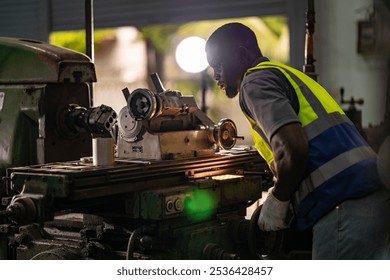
(25, 19)
(338, 62)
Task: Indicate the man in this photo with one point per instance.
(324, 170)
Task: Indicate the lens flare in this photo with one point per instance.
(200, 205)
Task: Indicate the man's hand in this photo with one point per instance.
(273, 213)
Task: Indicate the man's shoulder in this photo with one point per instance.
(263, 77)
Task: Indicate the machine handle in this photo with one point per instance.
(157, 83)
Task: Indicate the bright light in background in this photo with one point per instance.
(191, 55)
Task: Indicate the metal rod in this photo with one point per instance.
(89, 28)
(204, 90)
(89, 39)
(309, 67)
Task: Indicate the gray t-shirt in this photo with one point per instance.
(269, 99)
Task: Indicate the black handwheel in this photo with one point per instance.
(263, 245)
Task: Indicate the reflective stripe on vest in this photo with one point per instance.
(332, 168)
(310, 105)
(324, 123)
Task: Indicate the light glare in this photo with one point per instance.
(191, 55)
(226, 177)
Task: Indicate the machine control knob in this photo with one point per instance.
(179, 204)
(169, 205)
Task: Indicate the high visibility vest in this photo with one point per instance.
(341, 164)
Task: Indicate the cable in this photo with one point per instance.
(130, 245)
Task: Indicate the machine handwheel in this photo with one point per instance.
(263, 245)
(225, 134)
(142, 104)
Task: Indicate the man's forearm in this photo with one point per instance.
(290, 148)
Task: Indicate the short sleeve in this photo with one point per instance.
(267, 96)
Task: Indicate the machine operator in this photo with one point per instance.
(325, 172)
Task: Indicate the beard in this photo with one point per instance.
(231, 91)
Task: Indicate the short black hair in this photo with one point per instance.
(232, 35)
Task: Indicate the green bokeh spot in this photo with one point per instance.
(200, 205)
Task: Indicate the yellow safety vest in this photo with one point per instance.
(336, 148)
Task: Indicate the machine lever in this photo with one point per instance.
(126, 93)
(157, 83)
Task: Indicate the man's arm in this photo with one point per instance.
(290, 148)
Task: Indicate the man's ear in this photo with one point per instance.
(243, 54)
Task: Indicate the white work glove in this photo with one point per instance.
(273, 213)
